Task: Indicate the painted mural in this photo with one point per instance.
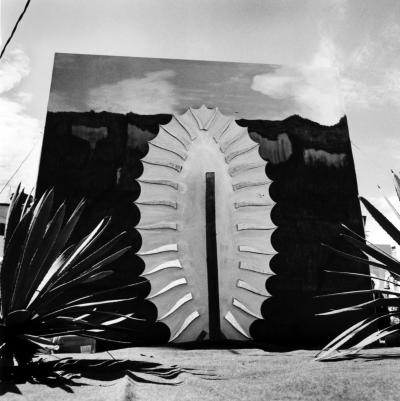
(226, 210)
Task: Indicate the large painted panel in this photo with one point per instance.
(282, 185)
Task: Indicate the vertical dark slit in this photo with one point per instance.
(212, 260)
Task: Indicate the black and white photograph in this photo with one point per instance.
(199, 200)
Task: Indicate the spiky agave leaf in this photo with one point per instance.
(352, 274)
(396, 180)
(38, 276)
(382, 220)
(354, 258)
(378, 302)
(330, 350)
(382, 261)
(33, 239)
(390, 204)
(342, 338)
(70, 258)
(13, 214)
(44, 251)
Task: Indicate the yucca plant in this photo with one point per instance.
(39, 274)
(381, 299)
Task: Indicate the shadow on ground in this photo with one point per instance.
(67, 373)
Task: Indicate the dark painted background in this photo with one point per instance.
(311, 202)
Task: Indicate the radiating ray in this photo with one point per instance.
(169, 183)
(227, 144)
(247, 184)
(196, 118)
(180, 153)
(158, 203)
(256, 269)
(235, 324)
(183, 141)
(203, 117)
(173, 284)
(194, 315)
(184, 126)
(211, 120)
(245, 309)
(179, 303)
(166, 265)
(251, 249)
(248, 287)
(241, 168)
(159, 226)
(218, 135)
(254, 226)
(164, 248)
(252, 203)
(239, 152)
(173, 166)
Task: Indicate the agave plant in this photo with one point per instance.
(40, 273)
(381, 300)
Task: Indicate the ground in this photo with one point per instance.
(237, 374)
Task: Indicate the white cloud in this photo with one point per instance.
(361, 54)
(339, 6)
(276, 86)
(332, 75)
(314, 87)
(370, 74)
(356, 93)
(14, 67)
(391, 87)
(365, 76)
(18, 131)
(392, 144)
(154, 93)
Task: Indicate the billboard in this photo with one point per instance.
(226, 176)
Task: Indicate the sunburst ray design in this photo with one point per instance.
(172, 226)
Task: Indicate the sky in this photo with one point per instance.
(154, 85)
(357, 43)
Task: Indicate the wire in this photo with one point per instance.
(109, 353)
(357, 147)
(14, 29)
(19, 166)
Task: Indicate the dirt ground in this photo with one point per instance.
(233, 374)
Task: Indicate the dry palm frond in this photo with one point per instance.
(39, 274)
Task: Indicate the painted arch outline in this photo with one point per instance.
(172, 225)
